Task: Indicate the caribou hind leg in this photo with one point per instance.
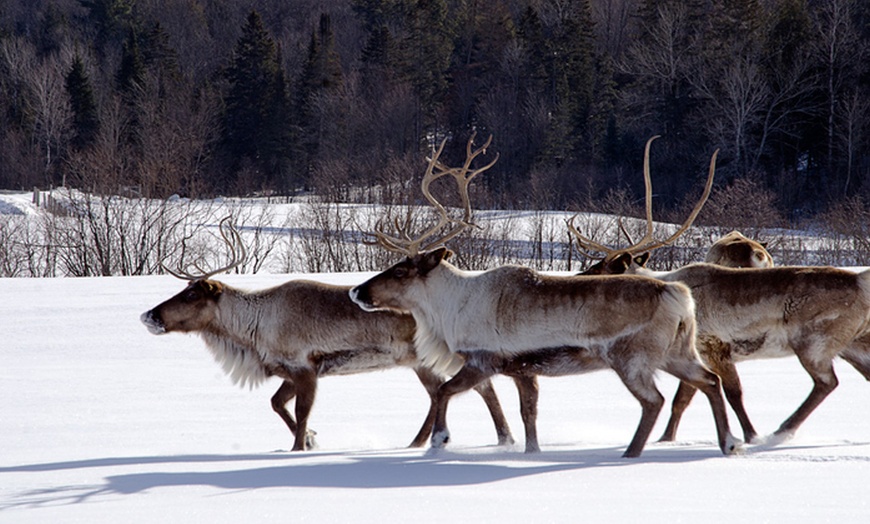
(824, 382)
(640, 383)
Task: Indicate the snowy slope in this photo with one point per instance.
(102, 422)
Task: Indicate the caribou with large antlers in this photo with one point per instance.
(300, 331)
(515, 321)
(815, 313)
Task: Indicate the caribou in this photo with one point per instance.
(814, 313)
(735, 250)
(300, 331)
(518, 322)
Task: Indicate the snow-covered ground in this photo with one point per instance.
(101, 421)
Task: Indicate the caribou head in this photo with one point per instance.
(627, 260)
(195, 307)
(393, 289)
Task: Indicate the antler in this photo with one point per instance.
(463, 176)
(648, 242)
(232, 239)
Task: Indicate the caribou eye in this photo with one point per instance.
(191, 295)
(400, 272)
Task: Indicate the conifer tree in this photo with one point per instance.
(427, 49)
(257, 89)
(109, 17)
(86, 121)
(321, 73)
(131, 72)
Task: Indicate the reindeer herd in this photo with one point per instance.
(456, 329)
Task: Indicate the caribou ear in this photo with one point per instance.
(595, 269)
(212, 287)
(620, 264)
(642, 259)
(428, 261)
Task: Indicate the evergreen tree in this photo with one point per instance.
(86, 123)
(158, 56)
(427, 48)
(321, 73)
(379, 50)
(109, 18)
(257, 90)
(131, 72)
(573, 75)
(531, 36)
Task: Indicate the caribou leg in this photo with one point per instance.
(681, 401)
(432, 382)
(304, 382)
(280, 399)
(697, 377)
(642, 386)
(502, 429)
(734, 393)
(527, 386)
(824, 382)
(858, 357)
(477, 368)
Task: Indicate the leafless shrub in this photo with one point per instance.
(260, 231)
(845, 229)
(744, 204)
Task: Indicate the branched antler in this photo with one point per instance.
(233, 240)
(404, 243)
(648, 242)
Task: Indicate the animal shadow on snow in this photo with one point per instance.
(361, 470)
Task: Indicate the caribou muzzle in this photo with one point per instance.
(361, 297)
(153, 322)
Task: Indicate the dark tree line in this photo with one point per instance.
(204, 97)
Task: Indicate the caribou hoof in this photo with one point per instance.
(440, 438)
(310, 441)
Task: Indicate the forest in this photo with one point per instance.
(344, 98)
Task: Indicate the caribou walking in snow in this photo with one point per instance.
(757, 312)
(518, 322)
(300, 331)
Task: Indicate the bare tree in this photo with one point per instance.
(735, 99)
(175, 133)
(853, 130)
(613, 23)
(45, 98)
(835, 50)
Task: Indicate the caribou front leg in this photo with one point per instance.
(478, 367)
(280, 399)
(681, 401)
(527, 387)
(304, 382)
